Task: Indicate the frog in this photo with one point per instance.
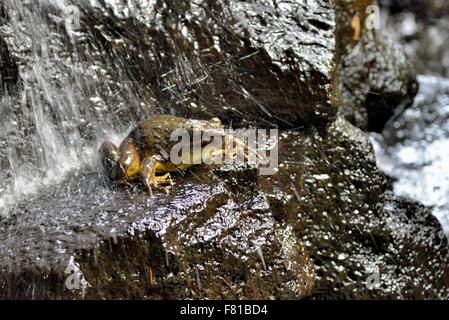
(144, 152)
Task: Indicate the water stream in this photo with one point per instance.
(67, 101)
(414, 148)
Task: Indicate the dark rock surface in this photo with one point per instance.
(201, 240)
(424, 9)
(377, 81)
(422, 27)
(331, 192)
(264, 60)
(9, 72)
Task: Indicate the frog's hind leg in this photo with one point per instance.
(148, 170)
(239, 147)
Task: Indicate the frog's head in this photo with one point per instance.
(109, 156)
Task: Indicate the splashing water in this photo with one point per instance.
(63, 105)
(414, 149)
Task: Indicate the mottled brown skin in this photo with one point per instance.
(145, 151)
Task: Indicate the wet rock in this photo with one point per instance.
(199, 241)
(377, 80)
(9, 72)
(331, 193)
(266, 62)
(424, 9)
(9, 82)
(423, 28)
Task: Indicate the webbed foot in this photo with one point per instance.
(148, 171)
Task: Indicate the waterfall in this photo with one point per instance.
(65, 103)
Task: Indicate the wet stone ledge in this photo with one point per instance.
(199, 241)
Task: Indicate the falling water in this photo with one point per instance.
(414, 149)
(65, 103)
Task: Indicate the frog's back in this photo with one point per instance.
(152, 134)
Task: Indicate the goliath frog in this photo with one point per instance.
(144, 152)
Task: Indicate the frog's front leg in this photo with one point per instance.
(148, 170)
